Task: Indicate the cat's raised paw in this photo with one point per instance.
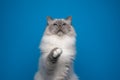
(57, 52)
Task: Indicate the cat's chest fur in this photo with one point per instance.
(66, 43)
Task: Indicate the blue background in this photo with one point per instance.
(97, 23)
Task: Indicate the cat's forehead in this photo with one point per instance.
(59, 20)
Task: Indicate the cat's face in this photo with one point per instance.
(60, 27)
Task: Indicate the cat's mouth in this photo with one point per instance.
(60, 32)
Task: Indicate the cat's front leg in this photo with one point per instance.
(54, 55)
(52, 59)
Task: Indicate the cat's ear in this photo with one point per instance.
(49, 19)
(69, 19)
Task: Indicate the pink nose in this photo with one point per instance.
(60, 27)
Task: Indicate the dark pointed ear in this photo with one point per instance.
(49, 19)
(69, 19)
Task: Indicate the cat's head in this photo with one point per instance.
(59, 27)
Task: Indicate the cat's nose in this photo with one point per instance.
(60, 26)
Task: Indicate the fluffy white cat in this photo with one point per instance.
(58, 51)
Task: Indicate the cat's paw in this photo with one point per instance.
(57, 52)
(54, 55)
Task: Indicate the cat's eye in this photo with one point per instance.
(55, 24)
(64, 24)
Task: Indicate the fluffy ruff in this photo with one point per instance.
(63, 68)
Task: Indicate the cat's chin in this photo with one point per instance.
(60, 33)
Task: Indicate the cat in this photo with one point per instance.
(58, 51)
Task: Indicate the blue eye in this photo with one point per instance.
(55, 24)
(64, 24)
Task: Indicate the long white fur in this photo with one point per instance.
(64, 66)
(67, 44)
